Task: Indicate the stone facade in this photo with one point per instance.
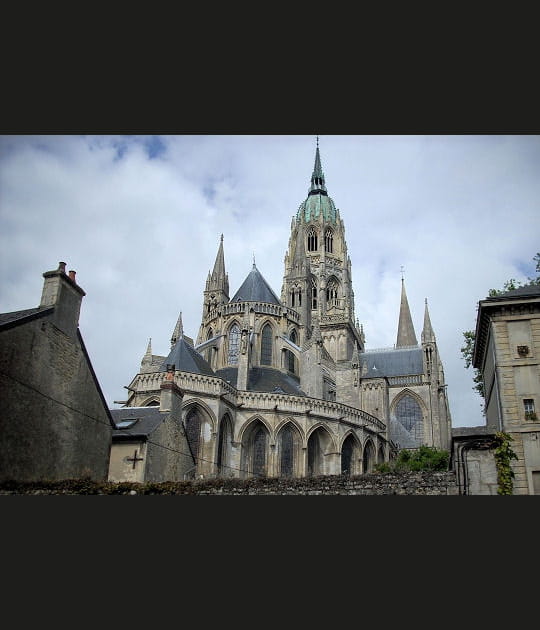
(284, 386)
(55, 423)
(507, 352)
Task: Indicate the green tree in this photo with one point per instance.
(467, 349)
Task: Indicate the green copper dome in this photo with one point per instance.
(318, 202)
(314, 206)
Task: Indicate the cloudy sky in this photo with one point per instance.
(139, 219)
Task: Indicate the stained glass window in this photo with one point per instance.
(234, 341)
(266, 345)
(259, 452)
(408, 412)
(287, 452)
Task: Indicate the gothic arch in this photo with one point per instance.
(233, 333)
(350, 453)
(333, 292)
(380, 454)
(312, 238)
(209, 414)
(246, 427)
(409, 411)
(289, 444)
(319, 443)
(224, 447)
(368, 456)
(254, 460)
(198, 425)
(329, 240)
(267, 344)
(151, 401)
(292, 421)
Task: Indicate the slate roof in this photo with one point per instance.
(8, 320)
(264, 379)
(148, 419)
(186, 359)
(393, 362)
(525, 291)
(255, 289)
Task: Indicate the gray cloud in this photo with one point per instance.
(139, 218)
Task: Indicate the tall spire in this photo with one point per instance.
(218, 280)
(427, 332)
(317, 178)
(406, 335)
(178, 331)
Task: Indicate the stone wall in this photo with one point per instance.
(417, 483)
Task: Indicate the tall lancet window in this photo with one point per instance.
(313, 294)
(259, 452)
(234, 342)
(332, 293)
(312, 243)
(329, 241)
(266, 345)
(287, 452)
(193, 432)
(290, 355)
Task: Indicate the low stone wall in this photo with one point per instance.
(413, 483)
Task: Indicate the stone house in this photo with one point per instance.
(507, 353)
(55, 423)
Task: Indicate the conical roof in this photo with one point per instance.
(186, 359)
(255, 289)
(406, 335)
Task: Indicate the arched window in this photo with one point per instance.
(224, 448)
(209, 352)
(312, 244)
(332, 293)
(368, 459)
(347, 456)
(234, 342)
(292, 297)
(286, 467)
(329, 241)
(314, 454)
(259, 452)
(266, 345)
(409, 415)
(193, 432)
(313, 294)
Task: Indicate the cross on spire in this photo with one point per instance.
(402, 272)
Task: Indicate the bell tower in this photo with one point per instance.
(317, 280)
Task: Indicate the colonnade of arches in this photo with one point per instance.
(283, 452)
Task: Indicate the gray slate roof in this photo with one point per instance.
(264, 379)
(528, 289)
(397, 362)
(186, 359)
(255, 289)
(15, 317)
(148, 419)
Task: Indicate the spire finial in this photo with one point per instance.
(254, 259)
(401, 273)
(317, 142)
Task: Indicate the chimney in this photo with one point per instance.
(63, 293)
(171, 395)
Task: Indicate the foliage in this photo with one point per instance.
(413, 460)
(503, 455)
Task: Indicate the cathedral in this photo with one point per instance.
(283, 386)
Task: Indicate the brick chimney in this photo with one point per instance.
(61, 291)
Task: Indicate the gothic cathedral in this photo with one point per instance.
(284, 386)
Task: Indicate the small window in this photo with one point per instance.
(127, 423)
(530, 413)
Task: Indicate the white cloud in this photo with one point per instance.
(140, 218)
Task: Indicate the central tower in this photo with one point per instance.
(317, 280)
